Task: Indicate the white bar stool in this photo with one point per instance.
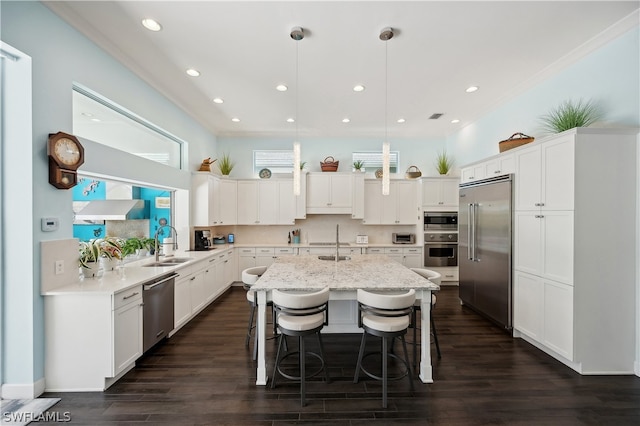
(300, 314)
(386, 316)
(249, 278)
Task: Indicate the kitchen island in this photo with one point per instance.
(344, 278)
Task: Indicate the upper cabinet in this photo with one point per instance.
(213, 200)
(334, 193)
(400, 207)
(440, 193)
(499, 165)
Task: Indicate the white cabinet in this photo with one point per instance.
(545, 176)
(249, 257)
(473, 172)
(213, 200)
(573, 255)
(400, 207)
(266, 202)
(545, 312)
(501, 165)
(330, 193)
(543, 244)
(440, 193)
(92, 338)
(182, 298)
(411, 257)
(127, 329)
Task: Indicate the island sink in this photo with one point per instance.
(333, 257)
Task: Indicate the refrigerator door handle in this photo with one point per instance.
(475, 231)
(469, 233)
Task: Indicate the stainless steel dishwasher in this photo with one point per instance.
(157, 296)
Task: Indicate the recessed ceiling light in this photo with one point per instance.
(358, 88)
(235, 119)
(455, 120)
(87, 114)
(95, 119)
(291, 120)
(346, 120)
(281, 88)
(471, 89)
(193, 72)
(218, 100)
(401, 120)
(151, 24)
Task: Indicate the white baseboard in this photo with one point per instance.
(22, 391)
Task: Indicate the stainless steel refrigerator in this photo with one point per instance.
(484, 248)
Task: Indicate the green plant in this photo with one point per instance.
(358, 164)
(149, 244)
(569, 115)
(92, 250)
(131, 246)
(303, 164)
(444, 162)
(225, 165)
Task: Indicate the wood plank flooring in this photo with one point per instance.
(204, 375)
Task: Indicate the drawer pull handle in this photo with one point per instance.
(130, 296)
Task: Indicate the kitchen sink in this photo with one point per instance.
(332, 257)
(169, 262)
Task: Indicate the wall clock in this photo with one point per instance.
(66, 154)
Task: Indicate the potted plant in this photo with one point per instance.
(111, 252)
(303, 164)
(444, 162)
(148, 244)
(225, 165)
(358, 166)
(132, 246)
(570, 115)
(93, 251)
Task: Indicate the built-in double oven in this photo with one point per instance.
(440, 239)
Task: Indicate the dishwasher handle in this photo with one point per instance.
(147, 287)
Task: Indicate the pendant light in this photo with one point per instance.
(296, 34)
(385, 35)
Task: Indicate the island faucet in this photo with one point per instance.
(155, 244)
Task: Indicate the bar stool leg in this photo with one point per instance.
(360, 354)
(275, 368)
(384, 372)
(326, 373)
(250, 326)
(406, 357)
(302, 371)
(435, 335)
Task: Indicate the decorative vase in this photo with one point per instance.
(110, 264)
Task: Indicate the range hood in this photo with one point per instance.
(114, 210)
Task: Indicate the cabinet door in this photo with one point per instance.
(268, 202)
(182, 301)
(389, 211)
(287, 203)
(412, 260)
(245, 262)
(501, 165)
(528, 299)
(209, 279)
(372, 203)
(558, 174)
(527, 244)
(198, 292)
(201, 200)
(557, 245)
(318, 190)
(528, 178)
(450, 193)
(247, 202)
(127, 331)
(341, 190)
(558, 318)
(227, 199)
(431, 192)
(475, 172)
(265, 256)
(407, 203)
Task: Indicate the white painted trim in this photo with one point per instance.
(22, 391)
(637, 362)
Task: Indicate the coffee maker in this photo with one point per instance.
(202, 240)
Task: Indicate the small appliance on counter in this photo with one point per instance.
(362, 239)
(231, 238)
(401, 238)
(202, 240)
(219, 239)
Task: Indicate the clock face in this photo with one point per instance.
(67, 151)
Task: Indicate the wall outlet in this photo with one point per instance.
(59, 267)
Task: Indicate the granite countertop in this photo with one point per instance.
(309, 245)
(133, 274)
(307, 272)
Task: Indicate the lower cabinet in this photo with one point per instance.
(249, 257)
(411, 257)
(92, 339)
(544, 312)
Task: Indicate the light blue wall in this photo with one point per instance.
(61, 56)
(416, 152)
(610, 76)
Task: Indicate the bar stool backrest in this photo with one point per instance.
(251, 275)
(433, 276)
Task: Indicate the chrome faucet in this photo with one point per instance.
(155, 245)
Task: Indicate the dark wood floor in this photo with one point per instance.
(205, 375)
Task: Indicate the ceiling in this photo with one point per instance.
(243, 50)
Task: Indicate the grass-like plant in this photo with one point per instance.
(225, 165)
(569, 115)
(358, 164)
(444, 162)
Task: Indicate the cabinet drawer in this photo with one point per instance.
(126, 297)
(247, 251)
(284, 250)
(415, 250)
(393, 250)
(262, 251)
(375, 250)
